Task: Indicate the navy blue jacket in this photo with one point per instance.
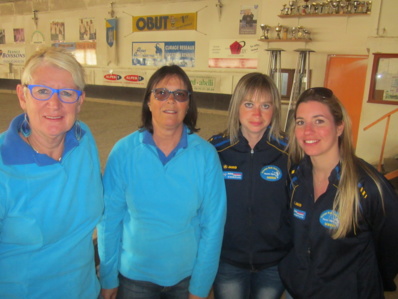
(355, 266)
(256, 232)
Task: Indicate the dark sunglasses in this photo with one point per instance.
(320, 91)
(162, 94)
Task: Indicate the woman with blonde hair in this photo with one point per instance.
(252, 155)
(51, 195)
(343, 212)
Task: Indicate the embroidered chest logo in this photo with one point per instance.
(329, 219)
(271, 173)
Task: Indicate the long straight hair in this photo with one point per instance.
(347, 200)
(249, 86)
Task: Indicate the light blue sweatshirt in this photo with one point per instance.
(48, 211)
(162, 223)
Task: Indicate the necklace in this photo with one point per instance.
(37, 152)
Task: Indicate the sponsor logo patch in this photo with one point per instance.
(299, 214)
(271, 173)
(233, 175)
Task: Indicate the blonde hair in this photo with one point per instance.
(249, 85)
(347, 200)
(58, 57)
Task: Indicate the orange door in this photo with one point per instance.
(346, 75)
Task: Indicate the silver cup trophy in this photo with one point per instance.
(265, 29)
(278, 30)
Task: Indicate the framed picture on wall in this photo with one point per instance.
(19, 35)
(384, 79)
(287, 83)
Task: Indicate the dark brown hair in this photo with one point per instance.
(169, 71)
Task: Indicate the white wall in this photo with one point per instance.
(356, 35)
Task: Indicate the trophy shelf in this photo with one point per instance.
(325, 15)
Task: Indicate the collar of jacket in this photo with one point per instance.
(303, 172)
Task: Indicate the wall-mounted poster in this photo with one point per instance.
(204, 83)
(229, 53)
(57, 31)
(19, 35)
(2, 36)
(164, 53)
(85, 52)
(87, 29)
(248, 19)
(12, 55)
(183, 21)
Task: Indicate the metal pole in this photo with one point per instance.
(300, 80)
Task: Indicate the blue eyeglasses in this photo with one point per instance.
(44, 93)
(162, 94)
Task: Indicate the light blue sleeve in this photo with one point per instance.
(212, 221)
(2, 208)
(111, 225)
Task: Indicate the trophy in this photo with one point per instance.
(316, 7)
(305, 7)
(322, 8)
(300, 32)
(265, 29)
(336, 7)
(368, 7)
(292, 6)
(285, 30)
(278, 30)
(348, 6)
(363, 6)
(328, 7)
(343, 6)
(356, 6)
(285, 10)
(306, 34)
(293, 33)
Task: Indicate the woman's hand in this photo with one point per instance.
(109, 293)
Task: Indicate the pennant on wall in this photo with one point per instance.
(111, 29)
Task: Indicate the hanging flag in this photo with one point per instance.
(111, 29)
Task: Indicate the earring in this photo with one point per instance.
(25, 127)
(78, 130)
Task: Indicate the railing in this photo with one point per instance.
(393, 174)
